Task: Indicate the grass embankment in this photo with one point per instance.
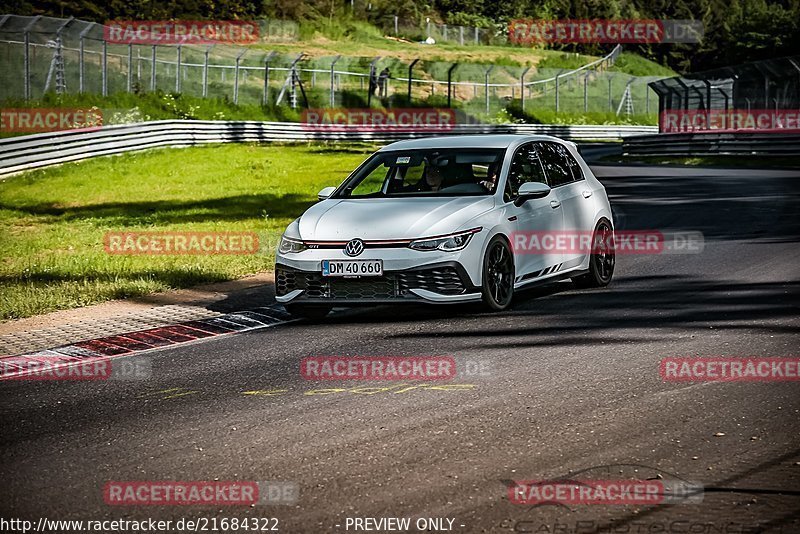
(54, 220)
(358, 43)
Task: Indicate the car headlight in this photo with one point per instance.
(447, 243)
(290, 246)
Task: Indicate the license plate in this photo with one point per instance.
(352, 268)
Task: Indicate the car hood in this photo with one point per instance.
(389, 218)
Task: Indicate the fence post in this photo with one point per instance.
(477, 38)
(522, 88)
(410, 73)
(27, 60)
(610, 100)
(153, 70)
(236, 77)
(445, 33)
(708, 102)
(395, 26)
(558, 103)
(27, 67)
(80, 64)
(265, 93)
(105, 68)
(486, 86)
(461, 35)
(450, 83)
(333, 88)
(647, 98)
(178, 70)
(130, 68)
(586, 92)
(205, 70)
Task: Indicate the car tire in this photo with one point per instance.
(308, 311)
(601, 264)
(497, 287)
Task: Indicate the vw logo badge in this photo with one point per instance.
(354, 247)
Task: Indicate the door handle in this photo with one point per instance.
(554, 204)
(587, 194)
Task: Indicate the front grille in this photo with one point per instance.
(383, 287)
(443, 280)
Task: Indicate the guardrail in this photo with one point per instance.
(40, 150)
(713, 144)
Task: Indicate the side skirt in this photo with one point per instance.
(547, 279)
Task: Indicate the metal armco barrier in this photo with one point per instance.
(40, 150)
(713, 144)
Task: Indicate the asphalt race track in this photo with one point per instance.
(567, 383)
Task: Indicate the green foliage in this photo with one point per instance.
(459, 18)
(636, 65)
(339, 29)
(735, 30)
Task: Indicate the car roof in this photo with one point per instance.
(467, 141)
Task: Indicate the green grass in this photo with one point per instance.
(122, 108)
(51, 248)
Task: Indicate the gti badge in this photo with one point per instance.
(354, 247)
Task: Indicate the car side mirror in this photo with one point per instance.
(325, 192)
(530, 190)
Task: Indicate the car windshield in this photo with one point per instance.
(432, 172)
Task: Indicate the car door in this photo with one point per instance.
(571, 189)
(536, 218)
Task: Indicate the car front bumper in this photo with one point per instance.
(439, 283)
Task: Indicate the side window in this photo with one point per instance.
(572, 163)
(555, 164)
(525, 167)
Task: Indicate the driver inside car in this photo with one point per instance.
(432, 180)
(492, 173)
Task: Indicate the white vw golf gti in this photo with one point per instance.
(441, 220)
